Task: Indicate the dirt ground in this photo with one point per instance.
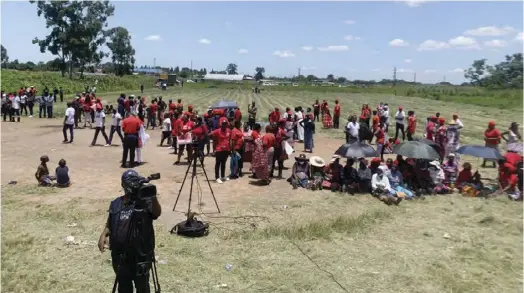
(276, 239)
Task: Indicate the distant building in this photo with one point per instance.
(149, 71)
(224, 77)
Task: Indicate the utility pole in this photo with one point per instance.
(298, 73)
(415, 77)
(394, 76)
(444, 80)
(154, 63)
(191, 74)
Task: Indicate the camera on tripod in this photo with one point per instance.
(141, 189)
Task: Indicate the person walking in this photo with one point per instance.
(49, 106)
(336, 115)
(23, 103)
(412, 125)
(131, 127)
(15, 104)
(61, 92)
(30, 102)
(221, 143)
(399, 123)
(100, 119)
(252, 111)
(69, 122)
(116, 125)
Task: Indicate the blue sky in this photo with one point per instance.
(358, 40)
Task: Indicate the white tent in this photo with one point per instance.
(224, 77)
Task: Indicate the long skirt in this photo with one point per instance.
(260, 161)
(308, 140)
(493, 146)
(300, 131)
(327, 121)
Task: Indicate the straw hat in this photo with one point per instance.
(301, 157)
(334, 158)
(435, 163)
(316, 161)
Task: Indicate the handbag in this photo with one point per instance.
(184, 139)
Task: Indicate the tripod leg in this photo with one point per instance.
(182, 186)
(193, 175)
(209, 184)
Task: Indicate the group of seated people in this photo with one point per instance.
(400, 179)
(45, 179)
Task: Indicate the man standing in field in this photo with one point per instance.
(69, 122)
(49, 105)
(336, 115)
(252, 110)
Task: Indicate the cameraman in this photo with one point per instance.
(200, 137)
(131, 261)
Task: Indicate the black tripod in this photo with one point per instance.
(142, 268)
(197, 154)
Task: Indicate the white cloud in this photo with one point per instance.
(457, 70)
(284, 54)
(349, 21)
(408, 60)
(398, 43)
(307, 48)
(462, 42)
(403, 70)
(351, 38)
(430, 71)
(495, 43)
(519, 37)
(490, 31)
(153, 38)
(204, 41)
(432, 45)
(375, 70)
(243, 51)
(414, 3)
(333, 48)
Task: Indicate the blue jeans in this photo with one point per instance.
(42, 109)
(49, 111)
(70, 127)
(408, 192)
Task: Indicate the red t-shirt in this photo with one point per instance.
(238, 138)
(180, 107)
(380, 135)
(281, 133)
(269, 140)
(153, 108)
(274, 117)
(127, 105)
(238, 115)
(464, 176)
(174, 129)
(430, 128)
(376, 121)
(189, 114)
(506, 179)
(199, 132)
(172, 107)
(365, 113)
(512, 158)
(187, 127)
(255, 135)
(336, 111)
(492, 136)
(412, 124)
(131, 125)
(221, 139)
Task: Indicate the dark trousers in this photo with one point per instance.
(64, 130)
(54, 98)
(49, 111)
(316, 116)
(410, 136)
(241, 161)
(92, 113)
(276, 158)
(42, 109)
(23, 107)
(97, 131)
(5, 111)
(130, 144)
(116, 129)
(220, 164)
(61, 97)
(399, 126)
(251, 122)
(30, 105)
(165, 135)
(336, 121)
(173, 144)
(127, 275)
(77, 117)
(16, 114)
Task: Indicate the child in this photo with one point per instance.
(62, 174)
(42, 173)
(166, 128)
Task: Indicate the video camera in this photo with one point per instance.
(140, 187)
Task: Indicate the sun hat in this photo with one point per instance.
(334, 158)
(435, 163)
(316, 161)
(301, 157)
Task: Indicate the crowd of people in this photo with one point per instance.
(221, 133)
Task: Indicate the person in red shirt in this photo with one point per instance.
(323, 106)
(152, 114)
(237, 145)
(180, 106)
(412, 125)
(279, 155)
(513, 158)
(492, 138)
(200, 134)
(189, 113)
(390, 144)
(175, 128)
(184, 132)
(221, 142)
(274, 117)
(380, 135)
(376, 120)
(238, 115)
(336, 115)
(131, 127)
(431, 128)
(508, 180)
(464, 176)
(365, 114)
(172, 106)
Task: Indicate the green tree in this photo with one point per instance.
(259, 73)
(476, 72)
(231, 68)
(5, 57)
(506, 74)
(177, 70)
(311, 77)
(330, 78)
(341, 79)
(122, 53)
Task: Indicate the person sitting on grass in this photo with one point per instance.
(397, 183)
(300, 172)
(317, 173)
(42, 172)
(508, 181)
(382, 190)
(62, 174)
(334, 173)
(464, 177)
(350, 177)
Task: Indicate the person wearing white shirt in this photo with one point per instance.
(16, 107)
(352, 129)
(386, 117)
(381, 188)
(166, 128)
(23, 104)
(460, 125)
(116, 126)
(100, 119)
(69, 122)
(399, 123)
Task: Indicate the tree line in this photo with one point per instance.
(507, 74)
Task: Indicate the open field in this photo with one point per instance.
(265, 233)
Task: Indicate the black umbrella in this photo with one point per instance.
(416, 150)
(431, 143)
(224, 105)
(480, 152)
(357, 150)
